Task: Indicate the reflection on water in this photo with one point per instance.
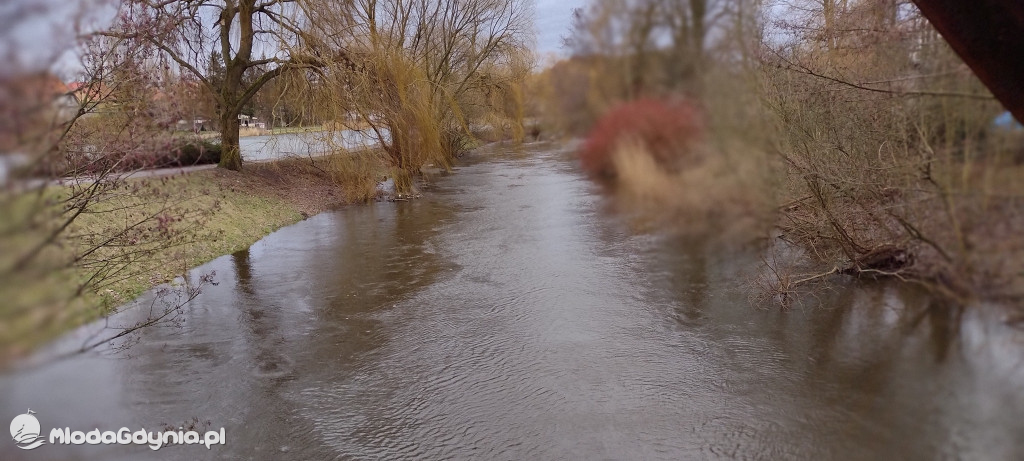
(510, 315)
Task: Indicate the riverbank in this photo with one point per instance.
(210, 213)
(513, 309)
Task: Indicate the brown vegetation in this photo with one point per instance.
(871, 139)
(421, 75)
(667, 131)
(678, 129)
(891, 156)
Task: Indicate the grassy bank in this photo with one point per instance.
(156, 229)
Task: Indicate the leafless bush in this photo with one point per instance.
(887, 141)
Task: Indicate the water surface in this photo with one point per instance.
(314, 143)
(508, 315)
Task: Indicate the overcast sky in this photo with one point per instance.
(44, 29)
(553, 20)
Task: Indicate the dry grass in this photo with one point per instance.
(244, 132)
(718, 196)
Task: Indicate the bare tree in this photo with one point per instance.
(651, 46)
(257, 40)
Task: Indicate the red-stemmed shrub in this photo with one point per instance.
(665, 129)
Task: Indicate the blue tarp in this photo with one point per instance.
(1006, 121)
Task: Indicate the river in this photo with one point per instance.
(305, 144)
(510, 314)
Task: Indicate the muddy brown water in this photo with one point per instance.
(510, 315)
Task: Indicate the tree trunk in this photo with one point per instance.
(230, 155)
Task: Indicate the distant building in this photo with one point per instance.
(30, 103)
(88, 95)
(247, 121)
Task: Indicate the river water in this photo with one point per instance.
(306, 144)
(510, 314)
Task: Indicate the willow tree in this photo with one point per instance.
(419, 73)
(257, 41)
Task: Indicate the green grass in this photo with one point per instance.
(187, 220)
(218, 214)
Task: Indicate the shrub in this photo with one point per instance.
(158, 153)
(177, 153)
(194, 153)
(666, 130)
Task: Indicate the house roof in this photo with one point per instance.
(86, 91)
(37, 86)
